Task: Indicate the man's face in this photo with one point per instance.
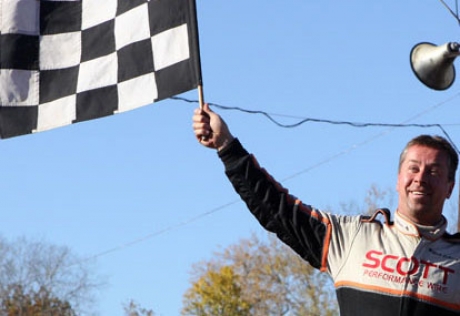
(423, 184)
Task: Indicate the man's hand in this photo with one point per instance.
(210, 129)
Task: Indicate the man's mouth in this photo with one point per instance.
(419, 193)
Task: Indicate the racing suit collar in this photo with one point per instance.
(430, 232)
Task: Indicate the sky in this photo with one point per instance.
(138, 195)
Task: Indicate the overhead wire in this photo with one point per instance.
(454, 14)
(324, 161)
(156, 233)
(269, 116)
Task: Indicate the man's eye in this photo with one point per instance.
(413, 169)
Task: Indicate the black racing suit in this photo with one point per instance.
(381, 269)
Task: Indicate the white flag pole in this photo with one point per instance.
(200, 96)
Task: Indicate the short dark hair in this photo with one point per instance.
(436, 142)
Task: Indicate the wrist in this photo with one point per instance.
(225, 143)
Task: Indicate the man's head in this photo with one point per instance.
(426, 178)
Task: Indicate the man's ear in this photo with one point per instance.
(451, 188)
(397, 184)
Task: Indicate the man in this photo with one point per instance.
(407, 267)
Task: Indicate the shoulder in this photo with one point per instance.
(453, 238)
(375, 218)
(380, 217)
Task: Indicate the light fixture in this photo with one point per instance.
(433, 65)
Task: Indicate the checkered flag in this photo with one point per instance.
(67, 61)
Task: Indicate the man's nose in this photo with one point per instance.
(422, 175)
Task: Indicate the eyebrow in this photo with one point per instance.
(434, 164)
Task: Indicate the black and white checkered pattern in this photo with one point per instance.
(67, 61)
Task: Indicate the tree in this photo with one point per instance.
(134, 309)
(375, 198)
(254, 277)
(39, 277)
(217, 293)
(41, 303)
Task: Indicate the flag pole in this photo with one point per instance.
(200, 96)
(201, 101)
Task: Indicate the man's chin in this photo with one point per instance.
(420, 202)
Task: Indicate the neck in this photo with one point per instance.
(430, 231)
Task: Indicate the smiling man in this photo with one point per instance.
(426, 179)
(408, 266)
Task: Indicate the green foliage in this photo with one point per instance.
(217, 293)
(259, 278)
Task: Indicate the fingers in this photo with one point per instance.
(206, 108)
(201, 125)
(201, 130)
(210, 130)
